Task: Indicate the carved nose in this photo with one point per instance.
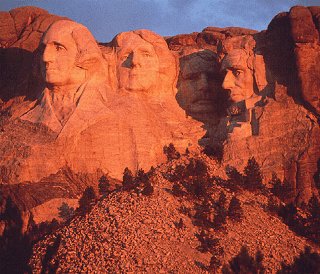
(228, 81)
(203, 83)
(135, 59)
(47, 55)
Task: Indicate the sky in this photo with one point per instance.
(106, 18)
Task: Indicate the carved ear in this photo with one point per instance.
(89, 52)
(259, 71)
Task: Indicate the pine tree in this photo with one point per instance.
(313, 221)
(276, 185)
(220, 219)
(235, 211)
(141, 177)
(253, 176)
(65, 211)
(128, 179)
(235, 178)
(283, 190)
(148, 189)
(87, 200)
(243, 263)
(104, 185)
(177, 190)
(222, 201)
(171, 152)
(215, 263)
(307, 262)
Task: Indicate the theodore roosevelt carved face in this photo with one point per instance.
(198, 82)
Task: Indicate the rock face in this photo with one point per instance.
(96, 109)
(305, 31)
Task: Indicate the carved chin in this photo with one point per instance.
(55, 80)
(138, 84)
(203, 106)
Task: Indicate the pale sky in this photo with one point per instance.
(106, 18)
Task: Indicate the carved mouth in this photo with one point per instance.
(204, 102)
(202, 106)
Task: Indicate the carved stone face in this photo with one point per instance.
(197, 84)
(137, 64)
(238, 77)
(58, 58)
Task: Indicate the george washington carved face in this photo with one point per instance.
(70, 54)
(58, 59)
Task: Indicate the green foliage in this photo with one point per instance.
(128, 179)
(177, 190)
(193, 177)
(148, 189)
(235, 211)
(253, 176)
(243, 263)
(222, 201)
(316, 176)
(220, 218)
(66, 212)
(215, 263)
(314, 208)
(283, 190)
(104, 185)
(307, 263)
(312, 226)
(141, 177)
(140, 183)
(171, 152)
(235, 178)
(87, 200)
(273, 204)
(209, 243)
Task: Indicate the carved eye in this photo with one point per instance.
(146, 54)
(59, 47)
(237, 72)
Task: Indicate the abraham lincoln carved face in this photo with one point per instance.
(238, 77)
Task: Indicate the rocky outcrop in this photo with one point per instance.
(129, 232)
(299, 36)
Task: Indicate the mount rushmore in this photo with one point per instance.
(70, 102)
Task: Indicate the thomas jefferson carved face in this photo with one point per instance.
(58, 59)
(137, 64)
(238, 77)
